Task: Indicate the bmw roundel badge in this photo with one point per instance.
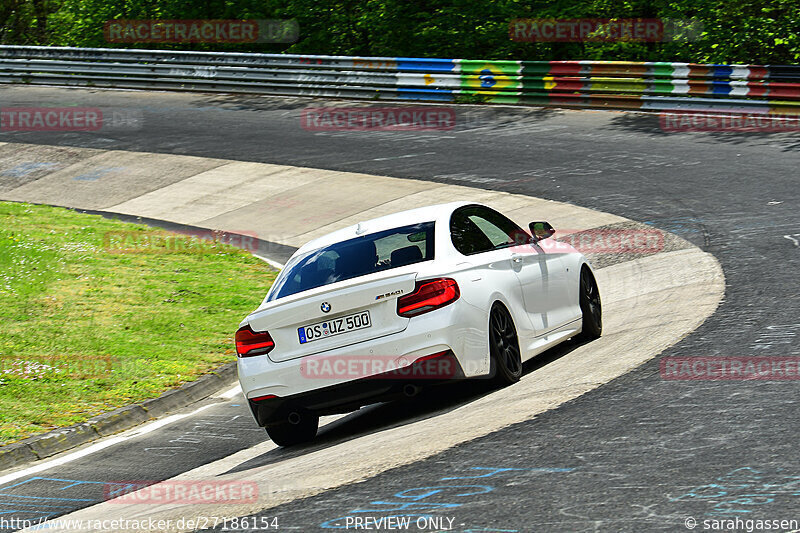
(325, 307)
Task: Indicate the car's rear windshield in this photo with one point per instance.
(356, 257)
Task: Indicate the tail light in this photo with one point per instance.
(428, 295)
(250, 343)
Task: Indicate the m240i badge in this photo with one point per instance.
(388, 294)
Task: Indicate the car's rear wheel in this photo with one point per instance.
(299, 427)
(506, 362)
(591, 307)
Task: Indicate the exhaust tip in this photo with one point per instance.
(294, 418)
(411, 390)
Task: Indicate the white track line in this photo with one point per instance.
(228, 394)
(103, 444)
(270, 262)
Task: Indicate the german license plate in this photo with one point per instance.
(334, 326)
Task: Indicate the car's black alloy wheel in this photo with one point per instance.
(504, 347)
(590, 307)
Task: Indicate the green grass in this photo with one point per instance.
(96, 314)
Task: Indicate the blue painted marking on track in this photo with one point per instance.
(71, 482)
(96, 174)
(55, 499)
(417, 495)
(21, 498)
(405, 506)
(11, 510)
(483, 489)
(486, 530)
(29, 167)
(500, 470)
(38, 504)
(4, 492)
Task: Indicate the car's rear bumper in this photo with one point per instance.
(456, 328)
(350, 395)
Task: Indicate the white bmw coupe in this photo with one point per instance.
(373, 311)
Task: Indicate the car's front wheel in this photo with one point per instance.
(506, 362)
(299, 427)
(590, 307)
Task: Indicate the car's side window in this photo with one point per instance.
(476, 229)
(495, 234)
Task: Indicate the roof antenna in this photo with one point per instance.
(359, 229)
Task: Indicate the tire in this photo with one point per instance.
(506, 362)
(288, 433)
(591, 307)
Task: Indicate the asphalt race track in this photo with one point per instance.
(637, 454)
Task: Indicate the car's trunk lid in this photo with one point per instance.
(288, 319)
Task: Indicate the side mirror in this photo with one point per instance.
(541, 231)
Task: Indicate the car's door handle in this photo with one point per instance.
(517, 258)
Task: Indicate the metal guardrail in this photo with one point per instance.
(589, 84)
